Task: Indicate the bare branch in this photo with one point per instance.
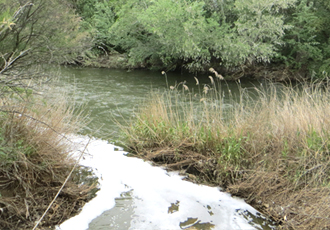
(11, 60)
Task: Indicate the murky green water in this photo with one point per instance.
(109, 95)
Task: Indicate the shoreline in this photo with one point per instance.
(272, 72)
(271, 151)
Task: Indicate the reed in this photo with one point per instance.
(269, 145)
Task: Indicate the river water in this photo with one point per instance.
(134, 194)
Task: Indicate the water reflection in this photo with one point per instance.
(194, 223)
(174, 207)
(117, 218)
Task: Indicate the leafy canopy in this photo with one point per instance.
(197, 34)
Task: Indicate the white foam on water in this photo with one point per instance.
(153, 191)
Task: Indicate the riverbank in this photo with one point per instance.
(275, 72)
(269, 146)
(35, 161)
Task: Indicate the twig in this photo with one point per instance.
(12, 59)
(59, 191)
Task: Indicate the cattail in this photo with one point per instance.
(197, 82)
(219, 76)
(216, 74)
(205, 89)
(212, 81)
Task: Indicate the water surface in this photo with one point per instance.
(134, 194)
(109, 95)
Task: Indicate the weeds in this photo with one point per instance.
(269, 145)
(35, 161)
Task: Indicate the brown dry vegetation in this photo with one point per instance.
(271, 146)
(34, 163)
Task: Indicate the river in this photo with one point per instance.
(134, 194)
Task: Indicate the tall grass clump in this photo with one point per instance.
(269, 144)
(35, 161)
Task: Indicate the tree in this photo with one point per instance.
(33, 32)
(255, 34)
(307, 42)
(193, 32)
(37, 31)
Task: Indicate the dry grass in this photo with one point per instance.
(270, 146)
(35, 161)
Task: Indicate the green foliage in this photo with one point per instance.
(181, 32)
(38, 31)
(230, 151)
(6, 20)
(12, 149)
(190, 32)
(85, 8)
(307, 42)
(256, 32)
(103, 18)
(167, 33)
(97, 17)
(199, 34)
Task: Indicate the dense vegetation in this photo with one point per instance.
(34, 150)
(272, 149)
(237, 37)
(268, 144)
(230, 35)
